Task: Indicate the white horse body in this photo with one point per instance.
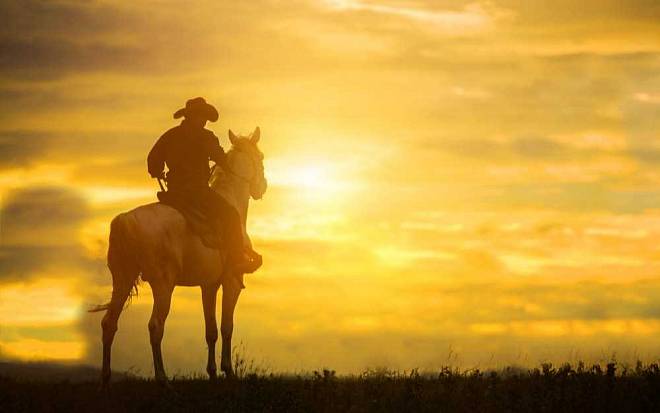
(154, 242)
(165, 247)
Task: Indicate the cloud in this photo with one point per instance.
(538, 147)
(39, 230)
(522, 149)
(47, 39)
(650, 155)
(47, 58)
(42, 216)
(19, 148)
(94, 158)
(29, 262)
(598, 196)
(52, 40)
(61, 18)
(566, 12)
(471, 18)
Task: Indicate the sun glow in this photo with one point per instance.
(311, 181)
(307, 175)
(311, 176)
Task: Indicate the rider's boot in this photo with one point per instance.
(241, 260)
(241, 263)
(254, 256)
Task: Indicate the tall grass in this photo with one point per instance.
(547, 388)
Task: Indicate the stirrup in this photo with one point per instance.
(248, 267)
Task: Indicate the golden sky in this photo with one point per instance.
(471, 183)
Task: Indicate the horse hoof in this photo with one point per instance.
(104, 386)
(104, 389)
(164, 383)
(213, 376)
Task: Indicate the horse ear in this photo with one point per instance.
(232, 138)
(256, 135)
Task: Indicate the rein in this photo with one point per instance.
(255, 167)
(162, 182)
(244, 179)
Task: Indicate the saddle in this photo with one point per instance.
(198, 222)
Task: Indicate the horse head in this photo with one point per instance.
(247, 161)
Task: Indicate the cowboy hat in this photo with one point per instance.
(198, 107)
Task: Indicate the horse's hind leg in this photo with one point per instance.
(209, 295)
(120, 292)
(230, 292)
(162, 297)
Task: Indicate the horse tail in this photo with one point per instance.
(122, 263)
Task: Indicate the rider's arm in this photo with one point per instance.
(156, 159)
(217, 154)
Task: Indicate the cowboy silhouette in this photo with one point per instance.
(186, 150)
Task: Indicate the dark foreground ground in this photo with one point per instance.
(547, 389)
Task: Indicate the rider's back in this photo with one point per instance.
(186, 151)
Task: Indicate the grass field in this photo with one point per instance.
(546, 389)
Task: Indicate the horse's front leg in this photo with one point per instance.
(230, 292)
(209, 295)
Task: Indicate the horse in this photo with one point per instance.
(153, 243)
